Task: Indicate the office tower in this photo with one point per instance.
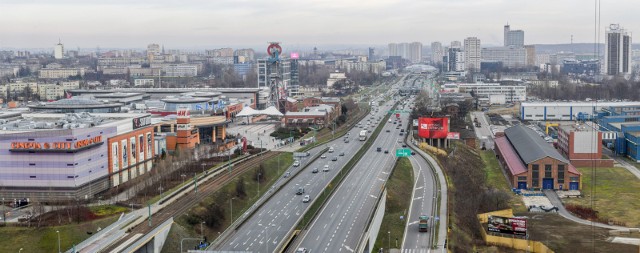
(472, 55)
(455, 60)
(393, 49)
(58, 50)
(415, 52)
(436, 52)
(456, 44)
(370, 56)
(513, 37)
(617, 51)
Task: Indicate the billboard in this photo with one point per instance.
(141, 147)
(510, 226)
(124, 153)
(453, 136)
(114, 157)
(415, 122)
(433, 128)
(295, 55)
(142, 122)
(149, 153)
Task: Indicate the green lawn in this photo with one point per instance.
(106, 210)
(616, 194)
(495, 178)
(399, 188)
(46, 239)
(240, 205)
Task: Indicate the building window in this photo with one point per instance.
(548, 171)
(560, 173)
(522, 178)
(574, 179)
(69, 164)
(535, 175)
(32, 176)
(32, 164)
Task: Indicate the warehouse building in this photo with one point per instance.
(531, 163)
(581, 144)
(565, 110)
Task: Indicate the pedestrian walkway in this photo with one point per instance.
(555, 200)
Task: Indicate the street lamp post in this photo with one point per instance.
(203, 164)
(183, 176)
(58, 232)
(389, 241)
(259, 174)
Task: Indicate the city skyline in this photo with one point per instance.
(203, 24)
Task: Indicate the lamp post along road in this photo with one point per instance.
(58, 232)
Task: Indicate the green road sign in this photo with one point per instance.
(399, 111)
(403, 152)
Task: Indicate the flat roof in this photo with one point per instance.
(32, 122)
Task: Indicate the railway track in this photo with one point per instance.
(185, 203)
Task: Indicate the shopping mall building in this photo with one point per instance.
(57, 157)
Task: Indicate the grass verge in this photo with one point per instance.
(46, 239)
(398, 202)
(616, 194)
(106, 210)
(221, 200)
(496, 179)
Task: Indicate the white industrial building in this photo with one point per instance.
(564, 110)
(482, 91)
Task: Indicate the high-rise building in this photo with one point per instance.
(393, 49)
(58, 51)
(513, 37)
(456, 44)
(617, 58)
(152, 51)
(403, 50)
(415, 52)
(437, 52)
(531, 55)
(472, 52)
(511, 57)
(371, 55)
(455, 60)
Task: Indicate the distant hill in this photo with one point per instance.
(580, 48)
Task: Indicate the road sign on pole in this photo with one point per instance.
(403, 152)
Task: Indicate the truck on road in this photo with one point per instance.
(363, 135)
(423, 225)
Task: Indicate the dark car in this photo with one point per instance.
(315, 170)
(386, 151)
(379, 149)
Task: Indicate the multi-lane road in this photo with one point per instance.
(422, 203)
(265, 229)
(340, 224)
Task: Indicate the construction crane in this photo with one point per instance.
(548, 124)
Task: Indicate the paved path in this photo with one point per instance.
(623, 162)
(555, 200)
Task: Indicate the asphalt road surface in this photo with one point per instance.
(342, 221)
(270, 224)
(421, 204)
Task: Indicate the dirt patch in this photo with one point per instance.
(562, 235)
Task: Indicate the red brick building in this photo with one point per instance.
(531, 163)
(581, 144)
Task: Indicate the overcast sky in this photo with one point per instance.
(235, 23)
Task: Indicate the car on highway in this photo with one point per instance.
(342, 154)
(388, 130)
(323, 156)
(346, 140)
(413, 153)
(287, 174)
(378, 149)
(401, 134)
(296, 163)
(306, 199)
(315, 170)
(335, 158)
(326, 168)
(386, 151)
(404, 145)
(302, 250)
(330, 149)
(300, 191)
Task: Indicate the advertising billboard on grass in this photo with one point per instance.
(433, 128)
(510, 226)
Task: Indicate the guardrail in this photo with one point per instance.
(437, 186)
(339, 177)
(261, 201)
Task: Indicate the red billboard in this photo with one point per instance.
(433, 128)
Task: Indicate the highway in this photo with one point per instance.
(263, 231)
(422, 203)
(341, 222)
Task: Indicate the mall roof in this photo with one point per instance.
(248, 111)
(75, 102)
